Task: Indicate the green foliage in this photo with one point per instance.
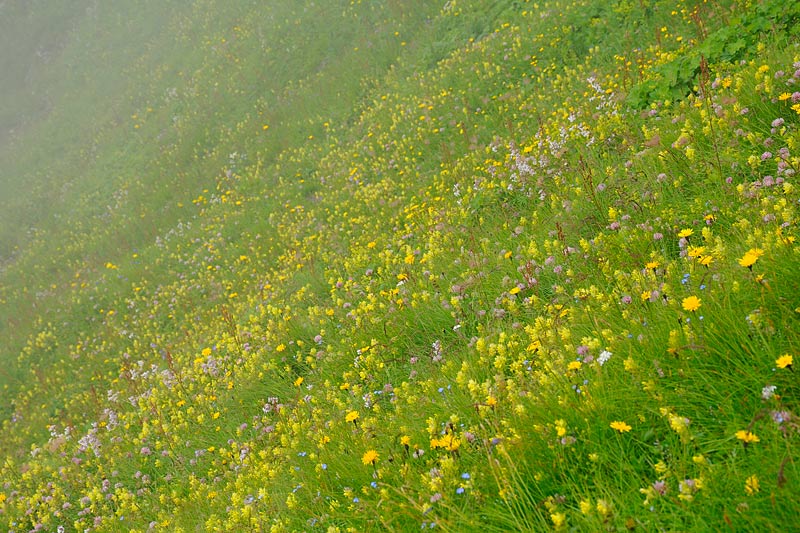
(736, 41)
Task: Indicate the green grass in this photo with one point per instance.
(391, 266)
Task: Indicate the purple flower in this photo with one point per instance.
(779, 417)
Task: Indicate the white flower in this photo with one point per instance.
(604, 356)
(768, 392)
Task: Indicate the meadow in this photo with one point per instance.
(352, 266)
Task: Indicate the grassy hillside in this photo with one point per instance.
(366, 266)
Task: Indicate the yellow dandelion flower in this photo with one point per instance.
(352, 416)
(620, 426)
(370, 457)
(750, 257)
(696, 251)
(746, 436)
(652, 265)
(691, 303)
(706, 260)
(450, 442)
(685, 233)
(784, 361)
(748, 260)
(574, 365)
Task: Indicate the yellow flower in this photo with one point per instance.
(691, 303)
(450, 442)
(603, 507)
(352, 416)
(586, 506)
(685, 233)
(706, 260)
(369, 457)
(784, 361)
(652, 265)
(748, 260)
(696, 251)
(405, 440)
(620, 426)
(746, 436)
(574, 365)
(558, 519)
(750, 257)
(751, 485)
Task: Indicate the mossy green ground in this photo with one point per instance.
(391, 266)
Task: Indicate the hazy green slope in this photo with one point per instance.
(150, 102)
(387, 266)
